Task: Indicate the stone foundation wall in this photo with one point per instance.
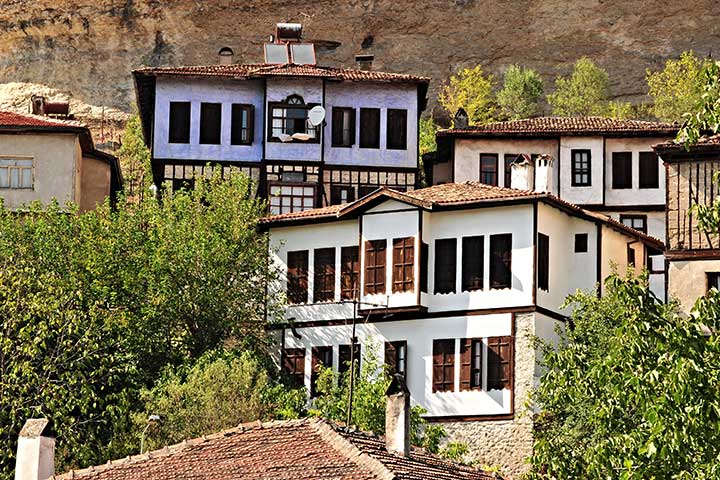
(505, 443)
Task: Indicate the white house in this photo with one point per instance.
(256, 118)
(601, 164)
(445, 282)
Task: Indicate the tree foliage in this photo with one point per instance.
(521, 91)
(585, 92)
(704, 117)
(471, 90)
(631, 392)
(677, 88)
(428, 128)
(134, 159)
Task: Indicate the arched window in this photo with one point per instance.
(288, 118)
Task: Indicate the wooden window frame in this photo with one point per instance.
(395, 360)
(292, 206)
(635, 217)
(712, 279)
(287, 105)
(375, 267)
(364, 142)
(445, 267)
(508, 159)
(183, 138)
(403, 278)
(297, 278)
(344, 358)
(576, 169)
(321, 358)
(339, 128)
(471, 364)
(236, 132)
(581, 246)
(493, 171)
(543, 262)
(15, 171)
(496, 268)
(500, 368)
(336, 192)
(622, 163)
(349, 272)
(648, 163)
(391, 142)
(205, 110)
(443, 371)
(324, 275)
(293, 366)
(473, 268)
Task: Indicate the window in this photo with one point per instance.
(344, 359)
(580, 171)
(210, 120)
(365, 190)
(324, 278)
(445, 265)
(349, 273)
(289, 118)
(343, 127)
(638, 222)
(340, 194)
(242, 124)
(293, 366)
(375, 267)
(396, 357)
(473, 249)
(297, 276)
(543, 262)
(403, 265)
(581, 242)
(321, 358)
(291, 198)
(179, 124)
(396, 129)
(424, 258)
(369, 128)
(630, 255)
(509, 159)
(471, 364)
(443, 375)
(488, 168)
(649, 170)
(713, 280)
(501, 261)
(621, 170)
(16, 173)
(499, 359)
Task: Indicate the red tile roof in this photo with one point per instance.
(308, 449)
(553, 126)
(12, 119)
(287, 70)
(704, 143)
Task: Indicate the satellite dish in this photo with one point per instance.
(316, 115)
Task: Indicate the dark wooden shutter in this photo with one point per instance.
(297, 276)
(375, 266)
(344, 358)
(445, 265)
(396, 129)
(396, 357)
(293, 366)
(321, 358)
(543, 262)
(465, 363)
(179, 122)
(649, 170)
(622, 170)
(324, 278)
(337, 127)
(369, 128)
(210, 123)
(353, 126)
(473, 258)
(424, 259)
(403, 264)
(443, 379)
(349, 273)
(500, 363)
(501, 260)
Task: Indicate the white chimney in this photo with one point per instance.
(397, 416)
(522, 174)
(36, 451)
(543, 173)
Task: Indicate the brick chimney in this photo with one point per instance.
(35, 451)
(397, 417)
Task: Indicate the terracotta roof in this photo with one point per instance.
(704, 143)
(292, 449)
(468, 193)
(12, 119)
(288, 70)
(553, 126)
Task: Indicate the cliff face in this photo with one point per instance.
(86, 48)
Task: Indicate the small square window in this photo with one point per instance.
(581, 242)
(713, 280)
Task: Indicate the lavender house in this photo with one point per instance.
(255, 118)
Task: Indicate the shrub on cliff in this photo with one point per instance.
(585, 92)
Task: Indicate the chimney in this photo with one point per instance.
(225, 56)
(460, 120)
(41, 106)
(397, 416)
(364, 62)
(543, 173)
(35, 451)
(522, 172)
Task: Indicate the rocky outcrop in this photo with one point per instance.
(87, 48)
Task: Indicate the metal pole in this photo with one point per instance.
(352, 366)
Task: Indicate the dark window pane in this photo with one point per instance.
(638, 222)
(210, 120)
(488, 168)
(396, 357)
(340, 194)
(321, 358)
(621, 170)
(179, 125)
(472, 263)
(324, 279)
(297, 276)
(581, 242)
(344, 358)
(369, 128)
(241, 128)
(509, 158)
(396, 129)
(343, 127)
(501, 261)
(581, 168)
(543, 262)
(713, 280)
(445, 265)
(424, 259)
(649, 170)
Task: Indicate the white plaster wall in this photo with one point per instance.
(198, 91)
(419, 335)
(278, 89)
(655, 221)
(467, 155)
(364, 95)
(614, 253)
(582, 195)
(56, 165)
(687, 280)
(634, 195)
(569, 271)
(518, 220)
(546, 328)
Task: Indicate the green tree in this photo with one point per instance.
(428, 128)
(677, 88)
(632, 391)
(134, 159)
(704, 117)
(521, 91)
(471, 90)
(585, 93)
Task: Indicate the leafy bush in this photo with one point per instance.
(520, 94)
(585, 92)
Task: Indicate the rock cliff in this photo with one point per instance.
(86, 48)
